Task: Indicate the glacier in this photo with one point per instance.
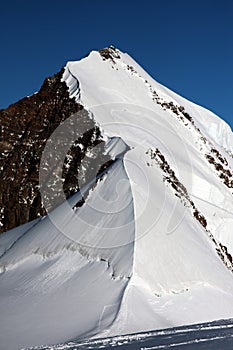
(151, 247)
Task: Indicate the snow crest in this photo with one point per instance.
(151, 247)
(126, 102)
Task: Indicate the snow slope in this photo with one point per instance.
(209, 336)
(151, 247)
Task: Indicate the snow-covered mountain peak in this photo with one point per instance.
(109, 67)
(144, 241)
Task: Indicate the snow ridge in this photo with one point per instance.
(146, 243)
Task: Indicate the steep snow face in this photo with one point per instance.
(151, 246)
(179, 166)
(126, 73)
(64, 276)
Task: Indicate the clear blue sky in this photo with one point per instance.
(186, 45)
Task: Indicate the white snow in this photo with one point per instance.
(55, 262)
(133, 257)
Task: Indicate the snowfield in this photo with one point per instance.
(208, 336)
(151, 247)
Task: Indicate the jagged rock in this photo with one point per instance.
(25, 128)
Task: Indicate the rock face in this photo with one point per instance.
(25, 128)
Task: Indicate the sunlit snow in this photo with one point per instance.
(133, 258)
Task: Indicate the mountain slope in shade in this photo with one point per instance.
(146, 244)
(25, 128)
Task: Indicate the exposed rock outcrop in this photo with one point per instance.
(25, 128)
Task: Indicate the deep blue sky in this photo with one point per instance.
(186, 45)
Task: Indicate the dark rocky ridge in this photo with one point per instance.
(25, 128)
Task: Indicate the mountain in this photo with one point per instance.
(116, 207)
(25, 128)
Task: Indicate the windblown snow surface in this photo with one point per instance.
(208, 336)
(151, 248)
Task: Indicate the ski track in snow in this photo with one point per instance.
(213, 336)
